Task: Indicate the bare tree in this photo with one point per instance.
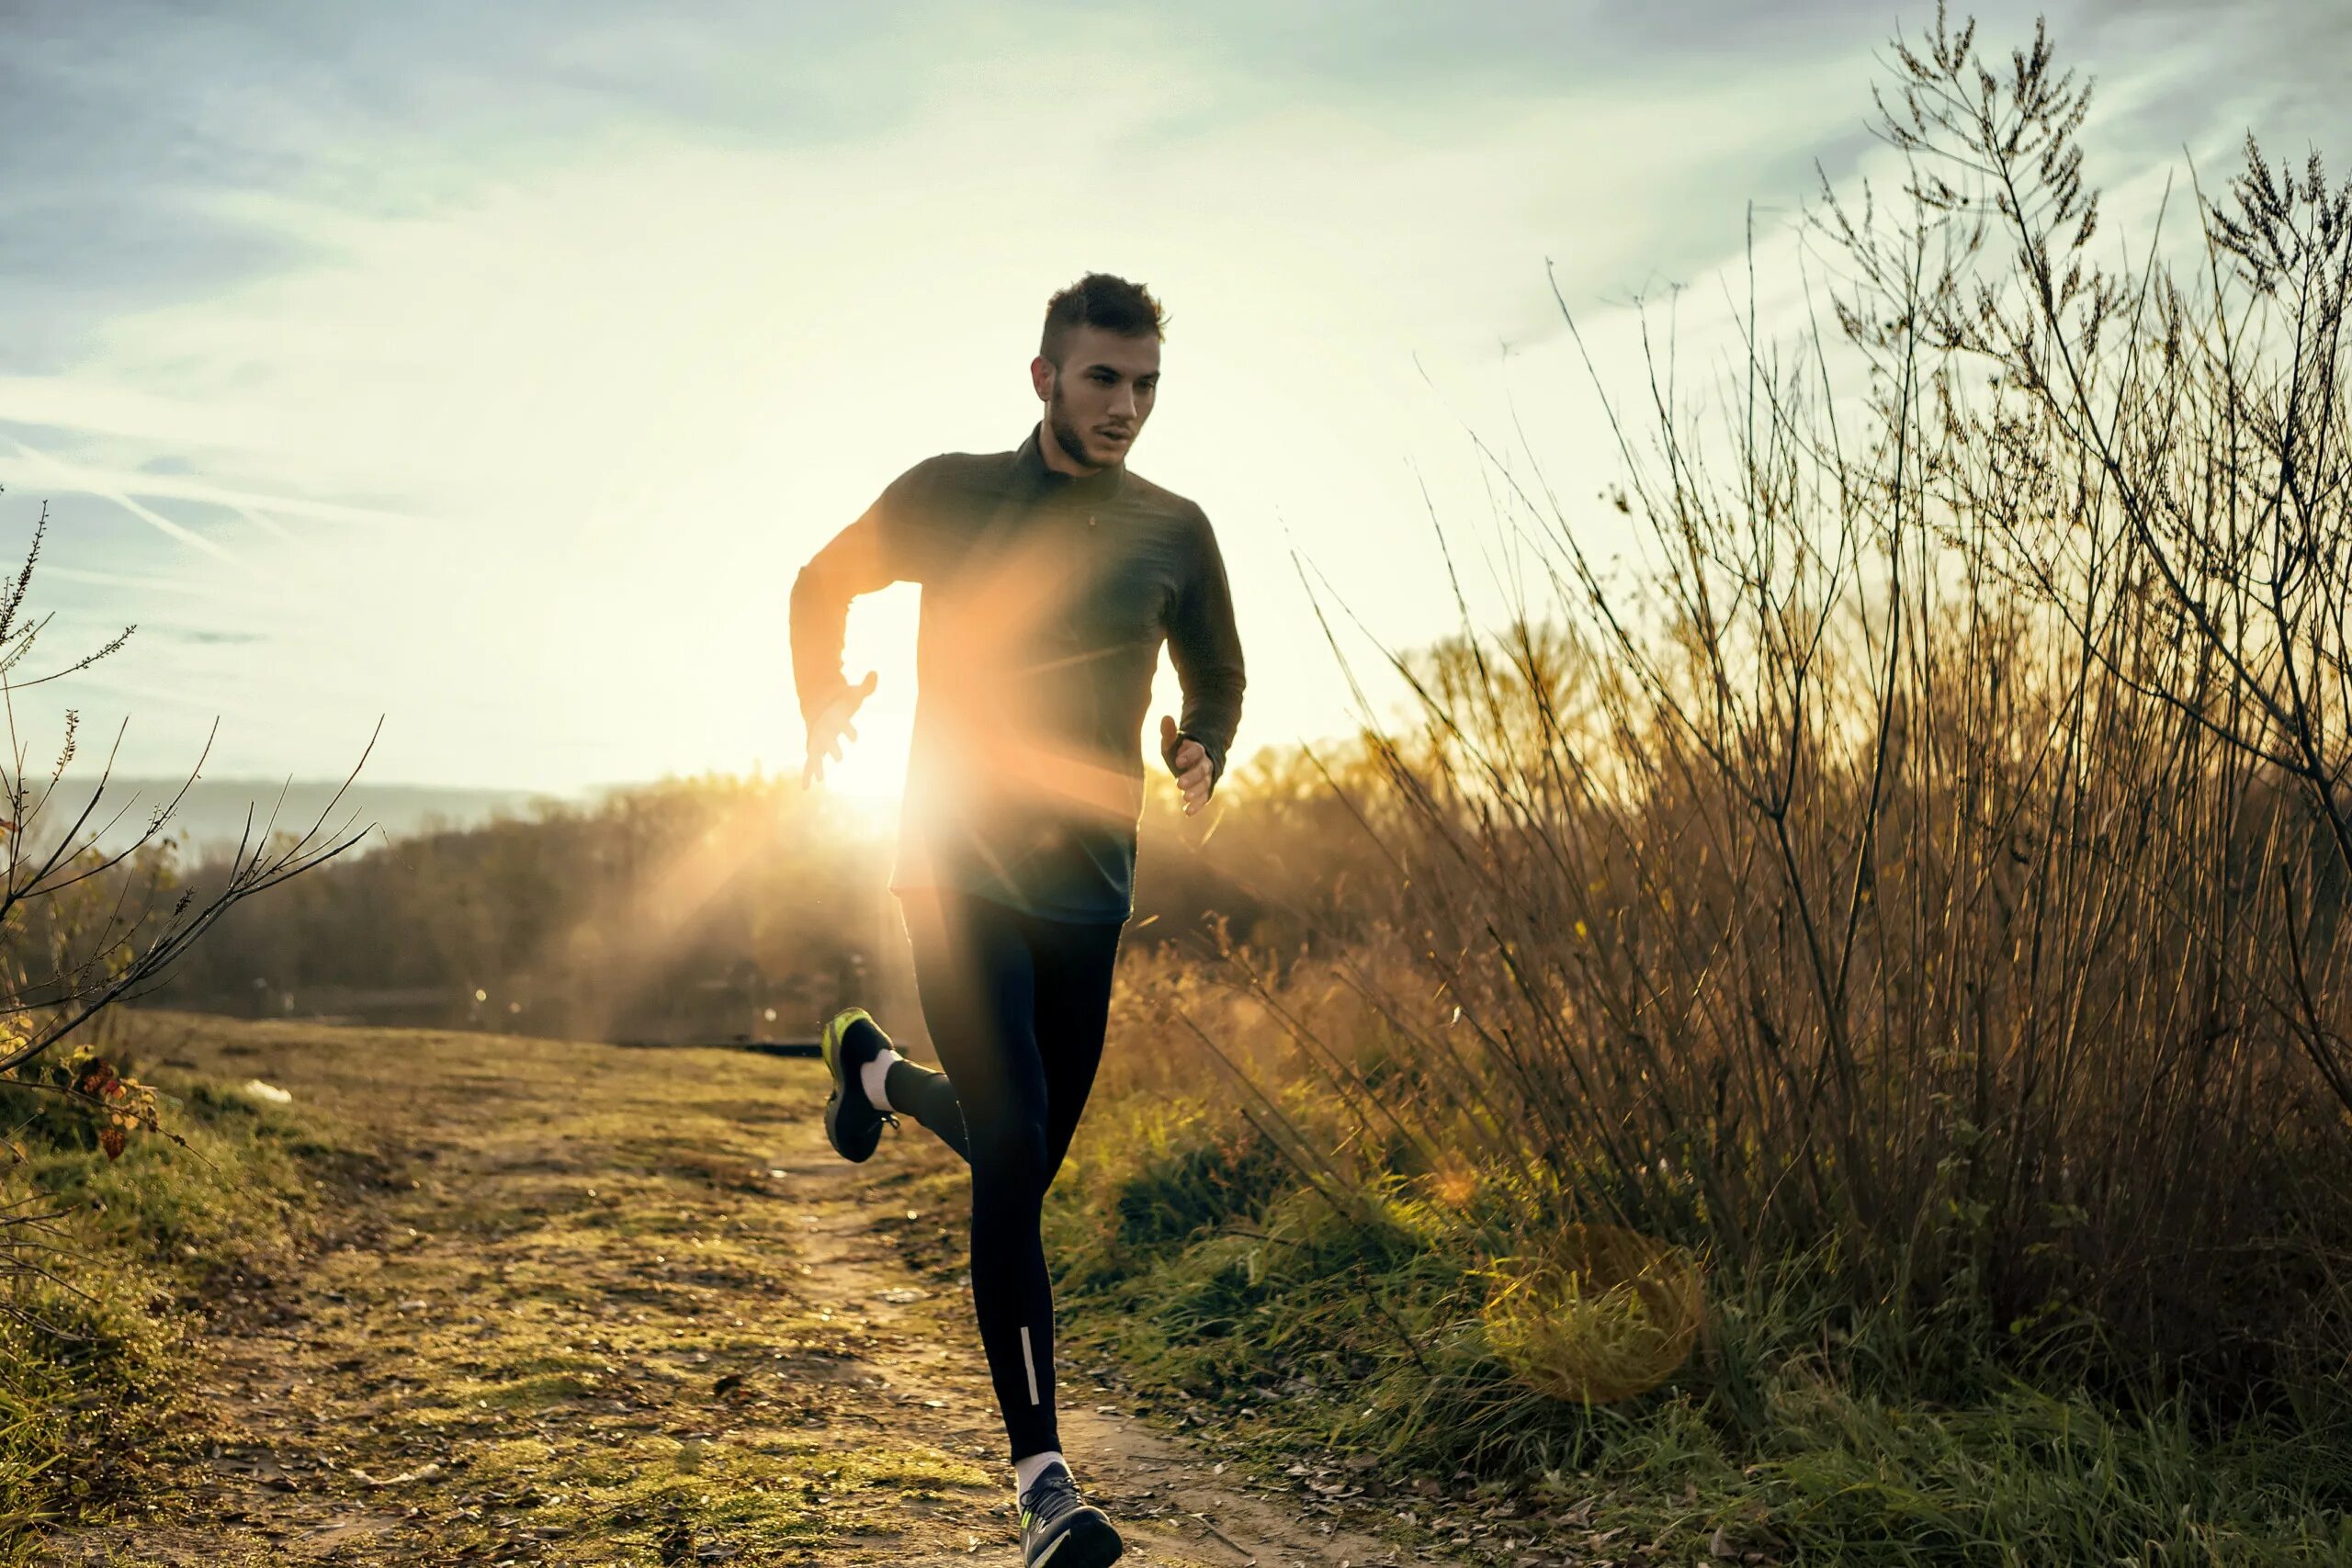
(83, 928)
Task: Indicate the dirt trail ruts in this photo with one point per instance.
(627, 1306)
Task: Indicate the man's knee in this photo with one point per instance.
(1013, 1150)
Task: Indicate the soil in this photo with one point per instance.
(612, 1306)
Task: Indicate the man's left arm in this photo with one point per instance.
(1206, 650)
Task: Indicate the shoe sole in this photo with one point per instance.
(1090, 1542)
(859, 1150)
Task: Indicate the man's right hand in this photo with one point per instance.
(829, 726)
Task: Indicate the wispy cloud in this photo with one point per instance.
(67, 475)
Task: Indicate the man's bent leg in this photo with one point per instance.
(972, 968)
(929, 1098)
(908, 1087)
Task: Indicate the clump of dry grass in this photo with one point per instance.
(1600, 1314)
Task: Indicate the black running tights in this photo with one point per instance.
(1016, 1007)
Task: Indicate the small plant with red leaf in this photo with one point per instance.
(83, 1101)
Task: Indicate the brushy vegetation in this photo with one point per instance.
(97, 1344)
(81, 931)
(107, 1216)
(1913, 893)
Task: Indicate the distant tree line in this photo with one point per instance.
(714, 906)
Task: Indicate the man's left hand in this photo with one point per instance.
(1189, 761)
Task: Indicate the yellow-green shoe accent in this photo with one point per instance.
(852, 1122)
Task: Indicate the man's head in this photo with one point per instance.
(1097, 369)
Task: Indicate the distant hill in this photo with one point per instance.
(213, 812)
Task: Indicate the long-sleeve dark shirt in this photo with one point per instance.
(1045, 599)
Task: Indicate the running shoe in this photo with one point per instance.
(852, 1122)
(1061, 1530)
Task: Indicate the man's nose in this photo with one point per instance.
(1123, 402)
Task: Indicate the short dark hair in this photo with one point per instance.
(1099, 299)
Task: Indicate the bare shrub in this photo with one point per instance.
(83, 929)
(1930, 866)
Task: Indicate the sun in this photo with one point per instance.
(872, 772)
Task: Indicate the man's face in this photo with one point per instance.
(1097, 401)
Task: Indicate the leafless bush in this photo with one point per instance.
(1932, 865)
(83, 929)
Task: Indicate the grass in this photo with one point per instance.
(578, 1325)
(97, 1351)
(1252, 1305)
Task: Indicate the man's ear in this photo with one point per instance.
(1041, 377)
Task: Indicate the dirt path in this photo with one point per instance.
(627, 1306)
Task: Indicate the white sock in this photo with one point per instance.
(1026, 1471)
(873, 1074)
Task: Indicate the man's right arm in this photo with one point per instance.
(871, 553)
(851, 565)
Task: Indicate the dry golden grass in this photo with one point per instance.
(1596, 1314)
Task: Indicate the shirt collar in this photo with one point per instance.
(1051, 484)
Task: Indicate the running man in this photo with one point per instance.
(1051, 577)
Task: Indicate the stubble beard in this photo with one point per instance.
(1069, 437)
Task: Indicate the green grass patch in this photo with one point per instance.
(1235, 1294)
(95, 1349)
(758, 1495)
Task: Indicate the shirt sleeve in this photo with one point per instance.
(884, 546)
(1206, 650)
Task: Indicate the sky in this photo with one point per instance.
(486, 373)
